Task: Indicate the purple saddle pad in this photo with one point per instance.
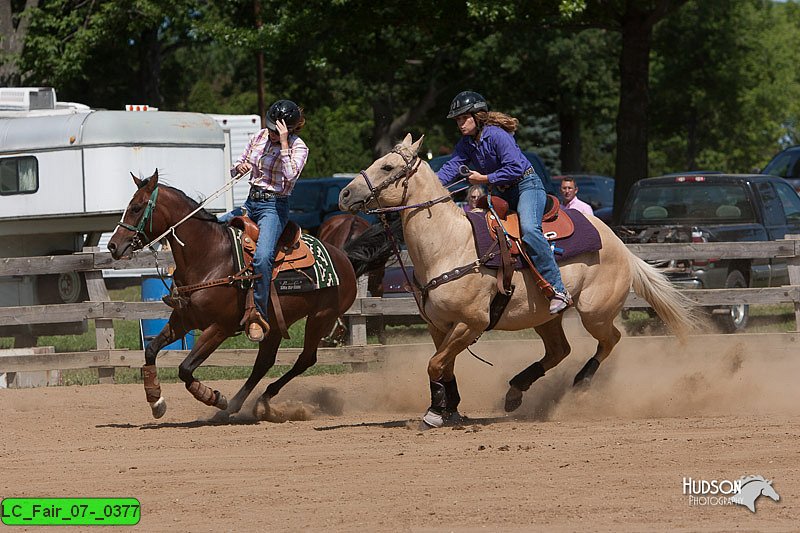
(584, 239)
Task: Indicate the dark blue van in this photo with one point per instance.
(315, 200)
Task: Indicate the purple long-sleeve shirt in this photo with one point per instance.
(495, 154)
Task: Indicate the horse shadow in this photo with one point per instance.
(186, 425)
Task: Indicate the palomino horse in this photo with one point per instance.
(439, 240)
(203, 252)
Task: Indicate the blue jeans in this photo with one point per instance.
(271, 216)
(528, 198)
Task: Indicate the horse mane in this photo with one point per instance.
(370, 250)
(202, 214)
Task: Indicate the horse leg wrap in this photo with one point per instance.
(438, 397)
(203, 393)
(587, 371)
(152, 388)
(452, 398)
(525, 379)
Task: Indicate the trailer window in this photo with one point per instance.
(19, 175)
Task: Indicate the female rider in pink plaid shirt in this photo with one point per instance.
(276, 156)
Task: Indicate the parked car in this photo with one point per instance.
(786, 164)
(714, 208)
(315, 200)
(595, 190)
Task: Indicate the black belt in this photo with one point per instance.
(529, 172)
(257, 194)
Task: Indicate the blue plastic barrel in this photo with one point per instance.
(153, 290)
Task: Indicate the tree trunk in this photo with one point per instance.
(150, 68)
(12, 41)
(570, 125)
(634, 65)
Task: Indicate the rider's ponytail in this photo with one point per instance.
(495, 118)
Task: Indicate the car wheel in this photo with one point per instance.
(735, 319)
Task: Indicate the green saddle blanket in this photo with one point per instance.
(321, 275)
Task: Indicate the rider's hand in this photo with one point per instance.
(283, 132)
(243, 168)
(476, 178)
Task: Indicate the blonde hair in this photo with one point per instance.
(496, 118)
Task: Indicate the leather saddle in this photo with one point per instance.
(555, 225)
(290, 253)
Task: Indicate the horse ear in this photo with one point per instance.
(408, 139)
(416, 145)
(152, 181)
(137, 181)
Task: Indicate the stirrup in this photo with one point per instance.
(257, 328)
(559, 302)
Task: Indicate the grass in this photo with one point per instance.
(763, 319)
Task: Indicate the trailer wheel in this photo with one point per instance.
(64, 288)
(735, 319)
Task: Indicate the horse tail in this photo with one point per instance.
(675, 309)
(370, 250)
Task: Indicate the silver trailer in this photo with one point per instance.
(65, 178)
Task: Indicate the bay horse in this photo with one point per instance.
(203, 251)
(440, 240)
(340, 230)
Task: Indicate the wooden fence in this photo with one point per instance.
(103, 311)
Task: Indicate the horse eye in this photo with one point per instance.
(387, 168)
(136, 208)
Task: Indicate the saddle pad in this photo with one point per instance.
(584, 239)
(321, 274)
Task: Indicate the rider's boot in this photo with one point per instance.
(559, 301)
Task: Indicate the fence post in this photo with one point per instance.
(794, 275)
(357, 333)
(103, 327)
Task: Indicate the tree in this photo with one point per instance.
(14, 22)
(724, 85)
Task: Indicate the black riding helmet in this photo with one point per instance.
(467, 102)
(285, 110)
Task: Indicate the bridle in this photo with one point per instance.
(137, 243)
(409, 169)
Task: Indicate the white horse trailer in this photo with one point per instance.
(65, 179)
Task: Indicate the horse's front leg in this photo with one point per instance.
(172, 331)
(205, 345)
(441, 372)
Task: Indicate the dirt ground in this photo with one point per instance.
(611, 458)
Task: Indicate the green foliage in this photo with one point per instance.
(724, 85)
(337, 139)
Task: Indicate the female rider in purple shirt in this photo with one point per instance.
(488, 145)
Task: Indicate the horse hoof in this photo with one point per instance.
(159, 407)
(431, 420)
(222, 401)
(454, 418)
(513, 399)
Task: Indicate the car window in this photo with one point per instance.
(785, 164)
(696, 202)
(790, 201)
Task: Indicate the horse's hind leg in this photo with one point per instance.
(172, 331)
(316, 327)
(205, 345)
(264, 361)
(602, 328)
(556, 348)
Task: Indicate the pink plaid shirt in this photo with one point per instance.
(274, 169)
